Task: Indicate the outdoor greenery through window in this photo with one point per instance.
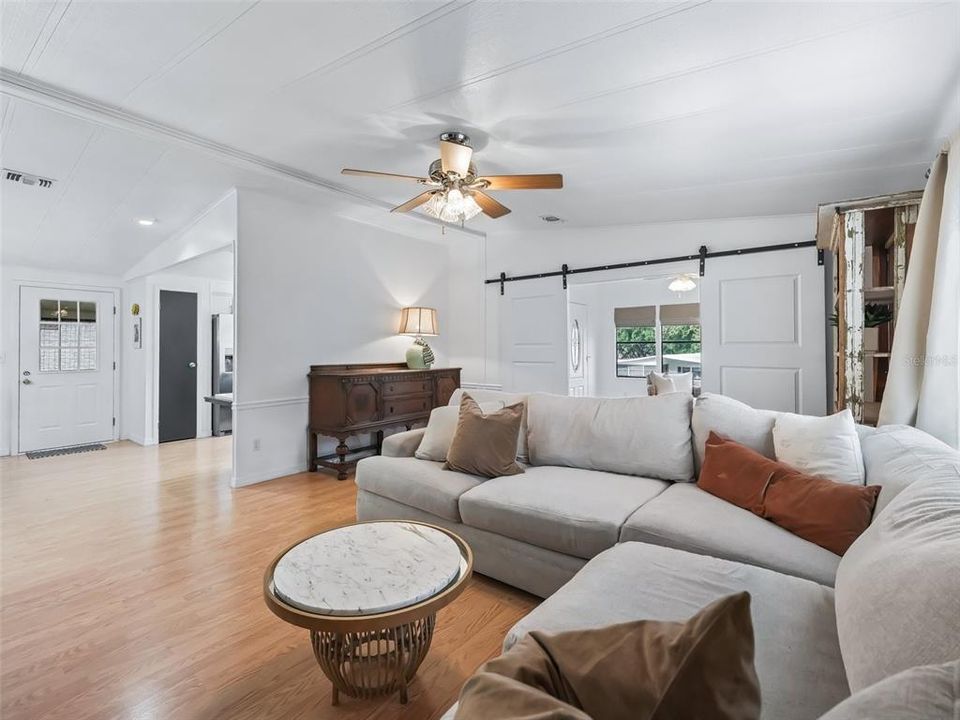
(664, 338)
(680, 349)
(636, 349)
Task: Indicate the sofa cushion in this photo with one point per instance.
(573, 511)
(797, 655)
(927, 692)
(645, 436)
(734, 420)
(898, 586)
(896, 455)
(688, 518)
(422, 484)
(504, 398)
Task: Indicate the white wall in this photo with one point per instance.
(314, 288)
(549, 249)
(601, 299)
(11, 279)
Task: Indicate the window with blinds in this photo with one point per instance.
(661, 338)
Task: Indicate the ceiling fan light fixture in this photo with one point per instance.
(453, 206)
(682, 283)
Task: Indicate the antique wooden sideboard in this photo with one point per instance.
(348, 400)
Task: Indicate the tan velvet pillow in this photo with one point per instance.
(829, 514)
(485, 445)
(642, 670)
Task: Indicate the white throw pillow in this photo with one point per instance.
(677, 382)
(734, 420)
(825, 446)
(441, 427)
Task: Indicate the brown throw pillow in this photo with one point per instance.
(485, 445)
(643, 670)
(830, 514)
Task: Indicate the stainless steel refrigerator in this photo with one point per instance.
(222, 380)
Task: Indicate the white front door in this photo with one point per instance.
(577, 349)
(66, 376)
(533, 336)
(763, 327)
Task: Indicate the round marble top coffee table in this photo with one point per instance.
(369, 594)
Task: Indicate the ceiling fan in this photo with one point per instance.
(457, 192)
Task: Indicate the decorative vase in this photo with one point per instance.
(419, 355)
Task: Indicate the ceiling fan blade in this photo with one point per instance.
(490, 207)
(416, 202)
(552, 181)
(455, 157)
(390, 176)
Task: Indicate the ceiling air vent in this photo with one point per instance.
(27, 179)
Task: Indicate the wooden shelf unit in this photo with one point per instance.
(872, 243)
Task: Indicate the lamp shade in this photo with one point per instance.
(418, 321)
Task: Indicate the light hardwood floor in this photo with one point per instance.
(130, 588)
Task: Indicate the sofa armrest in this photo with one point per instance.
(402, 444)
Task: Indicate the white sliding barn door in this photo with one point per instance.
(533, 336)
(763, 329)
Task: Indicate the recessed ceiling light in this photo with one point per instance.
(551, 219)
(146, 222)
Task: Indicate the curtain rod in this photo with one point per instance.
(702, 256)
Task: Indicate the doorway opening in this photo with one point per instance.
(634, 336)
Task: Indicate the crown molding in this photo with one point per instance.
(37, 92)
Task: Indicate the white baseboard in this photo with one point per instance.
(265, 475)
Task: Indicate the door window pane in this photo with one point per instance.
(49, 335)
(88, 358)
(49, 310)
(88, 334)
(49, 359)
(68, 335)
(68, 311)
(69, 359)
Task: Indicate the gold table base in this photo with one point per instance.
(376, 662)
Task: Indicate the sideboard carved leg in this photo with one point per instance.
(312, 451)
(342, 451)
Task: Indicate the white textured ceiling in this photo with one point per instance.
(653, 111)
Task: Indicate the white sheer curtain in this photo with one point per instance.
(923, 386)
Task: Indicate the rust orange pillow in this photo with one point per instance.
(829, 514)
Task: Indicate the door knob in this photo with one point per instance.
(191, 364)
(27, 381)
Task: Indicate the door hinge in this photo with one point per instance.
(114, 364)
(114, 422)
(114, 309)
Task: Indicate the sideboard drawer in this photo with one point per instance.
(406, 406)
(407, 387)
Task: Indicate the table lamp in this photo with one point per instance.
(419, 321)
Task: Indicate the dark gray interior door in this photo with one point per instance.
(178, 365)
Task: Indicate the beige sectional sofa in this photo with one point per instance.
(606, 547)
